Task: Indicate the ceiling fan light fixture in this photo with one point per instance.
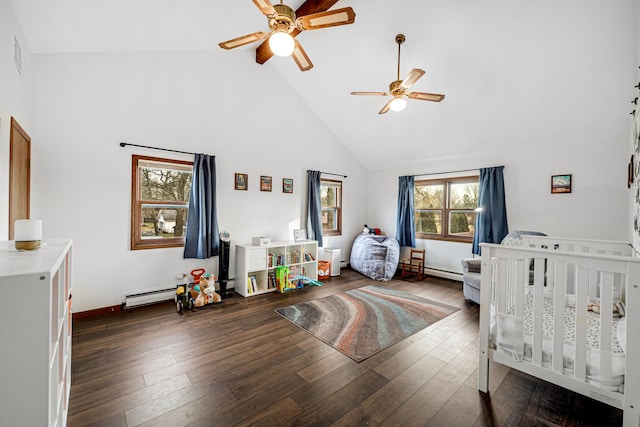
(281, 43)
(398, 104)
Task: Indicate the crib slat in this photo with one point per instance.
(581, 290)
(606, 311)
(511, 281)
(502, 285)
(538, 314)
(593, 284)
(559, 292)
(550, 274)
(521, 284)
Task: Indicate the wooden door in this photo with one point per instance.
(19, 174)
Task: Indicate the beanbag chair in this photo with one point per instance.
(375, 256)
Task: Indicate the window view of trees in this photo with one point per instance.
(331, 200)
(160, 189)
(446, 208)
(160, 202)
(463, 199)
(428, 204)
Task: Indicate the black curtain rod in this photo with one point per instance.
(458, 171)
(329, 173)
(124, 144)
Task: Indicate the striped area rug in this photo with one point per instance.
(364, 321)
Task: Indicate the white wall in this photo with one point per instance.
(15, 99)
(223, 103)
(214, 102)
(594, 209)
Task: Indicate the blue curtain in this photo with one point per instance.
(314, 207)
(406, 226)
(491, 220)
(202, 237)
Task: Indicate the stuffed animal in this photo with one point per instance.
(370, 230)
(618, 308)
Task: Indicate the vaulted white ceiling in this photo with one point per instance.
(514, 72)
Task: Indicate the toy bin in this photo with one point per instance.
(324, 270)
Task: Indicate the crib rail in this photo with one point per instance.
(556, 272)
(609, 247)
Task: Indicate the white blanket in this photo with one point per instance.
(604, 368)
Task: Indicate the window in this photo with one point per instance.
(445, 208)
(159, 202)
(331, 200)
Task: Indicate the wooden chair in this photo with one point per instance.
(414, 264)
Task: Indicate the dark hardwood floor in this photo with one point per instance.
(240, 363)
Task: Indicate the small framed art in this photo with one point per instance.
(560, 184)
(299, 235)
(265, 183)
(287, 185)
(242, 180)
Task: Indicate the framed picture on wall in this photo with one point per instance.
(241, 181)
(287, 185)
(561, 184)
(265, 183)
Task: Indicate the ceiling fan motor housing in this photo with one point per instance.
(285, 19)
(395, 89)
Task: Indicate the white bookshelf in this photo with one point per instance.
(35, 358)
(260, 262)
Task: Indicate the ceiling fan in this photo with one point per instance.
(283, 22)
(398, 88)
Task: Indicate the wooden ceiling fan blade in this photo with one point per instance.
(370, 93)
(266, 7)
(386, 107)
(413, 76)
(330, 18)
(242, 40)
(426, 96)
(301, 57)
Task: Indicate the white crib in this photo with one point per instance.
(523, 287)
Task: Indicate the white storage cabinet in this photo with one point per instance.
(260, 262)
(35, 356)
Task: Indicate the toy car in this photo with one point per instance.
(183, 298)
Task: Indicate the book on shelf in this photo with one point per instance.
(308, 256)
(271, 280)
(252, 284)
(276, 260)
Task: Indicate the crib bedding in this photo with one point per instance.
(604, 368)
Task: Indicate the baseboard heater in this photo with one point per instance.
(153, 297)
(445, 274)
(149, 297)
